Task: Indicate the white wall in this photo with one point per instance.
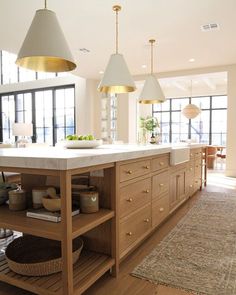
(231, 123)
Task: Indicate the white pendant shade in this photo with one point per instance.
(191, 111)
(152, 92)
(116, 78)
(45, 47)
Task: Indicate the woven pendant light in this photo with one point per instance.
(191, 111)
(45, 47)
(116, 78)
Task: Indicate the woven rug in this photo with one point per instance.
(199, 254)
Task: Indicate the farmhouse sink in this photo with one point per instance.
(179, 154)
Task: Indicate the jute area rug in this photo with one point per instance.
(199, 254)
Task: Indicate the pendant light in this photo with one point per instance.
(45, 47)
(191, 111)
(116, 78)
(151, 92)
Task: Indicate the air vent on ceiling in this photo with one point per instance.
(210, 27)
(84, 50)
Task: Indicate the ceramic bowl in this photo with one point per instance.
(51, 204)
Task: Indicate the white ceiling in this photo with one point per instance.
(91, 24)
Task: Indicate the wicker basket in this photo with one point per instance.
(35, 256)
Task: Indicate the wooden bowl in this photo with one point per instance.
(51, 204)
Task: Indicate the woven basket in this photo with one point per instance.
(35, 256)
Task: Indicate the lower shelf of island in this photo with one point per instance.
(87, 270)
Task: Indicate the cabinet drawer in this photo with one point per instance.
(160, 184)
(160, 210)
(197, 153)
(160, 163)
(134, 227)
(197, 169)
(197, 183)
(134, 196)
(135, 169)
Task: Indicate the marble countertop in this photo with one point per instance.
(59, 158)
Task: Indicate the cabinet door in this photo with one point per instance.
(177, 188)
(173, 191)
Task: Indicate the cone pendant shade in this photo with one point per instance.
(117, 78)
(45, 47)
(151, 92)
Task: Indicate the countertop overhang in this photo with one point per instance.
(59, 158)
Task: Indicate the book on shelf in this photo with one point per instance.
(47, 215)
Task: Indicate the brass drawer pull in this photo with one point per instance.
(161, 163)
(196, 181)
(197, 166)
(190, 185)
(129, 233)
(161, 184)
(146, 167)
(191, 169)
(146, 220)
(129, 171)
(161, 209)
(191, 155)
(130, 200)
(146, 191)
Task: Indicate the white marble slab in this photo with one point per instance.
(59, 158)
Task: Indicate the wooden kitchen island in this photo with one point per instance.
(138, 190)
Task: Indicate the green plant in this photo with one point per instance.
(149, 123)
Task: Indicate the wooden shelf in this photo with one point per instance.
(87, 270)
(18, 221)
(84, 222)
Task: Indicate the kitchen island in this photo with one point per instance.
(138, 189)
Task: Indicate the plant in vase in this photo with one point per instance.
(147, 128)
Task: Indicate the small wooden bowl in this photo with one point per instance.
(51, 204)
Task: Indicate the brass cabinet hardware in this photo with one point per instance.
(129, 233)
(129, 200)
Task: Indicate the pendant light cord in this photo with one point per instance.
(45, 4)
(152, 41)
(117, 8)
(117, 32)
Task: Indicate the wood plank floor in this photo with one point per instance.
(126, 284)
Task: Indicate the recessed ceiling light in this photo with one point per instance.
(209, 27)
(144, 66)
(191, 60)
(84, 50)
(101, 72)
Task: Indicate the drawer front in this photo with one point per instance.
(134, 227)
(160, 163)
(197, 183)
(135, 169)
(197, 153)
(197, 169)
(160, 210)
(160, 184)
(134, 196)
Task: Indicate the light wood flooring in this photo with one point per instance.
(125, 284)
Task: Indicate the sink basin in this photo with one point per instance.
(179, 155)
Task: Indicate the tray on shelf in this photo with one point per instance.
(35, 256)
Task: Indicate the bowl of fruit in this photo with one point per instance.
(81, 141)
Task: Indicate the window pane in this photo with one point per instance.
(179, 103)
(219, 123)
(201, 102)
(165, 106)
(219, 102)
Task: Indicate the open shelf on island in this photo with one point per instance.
(87, 270)
(82, 223)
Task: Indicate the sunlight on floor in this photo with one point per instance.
(217, 178)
